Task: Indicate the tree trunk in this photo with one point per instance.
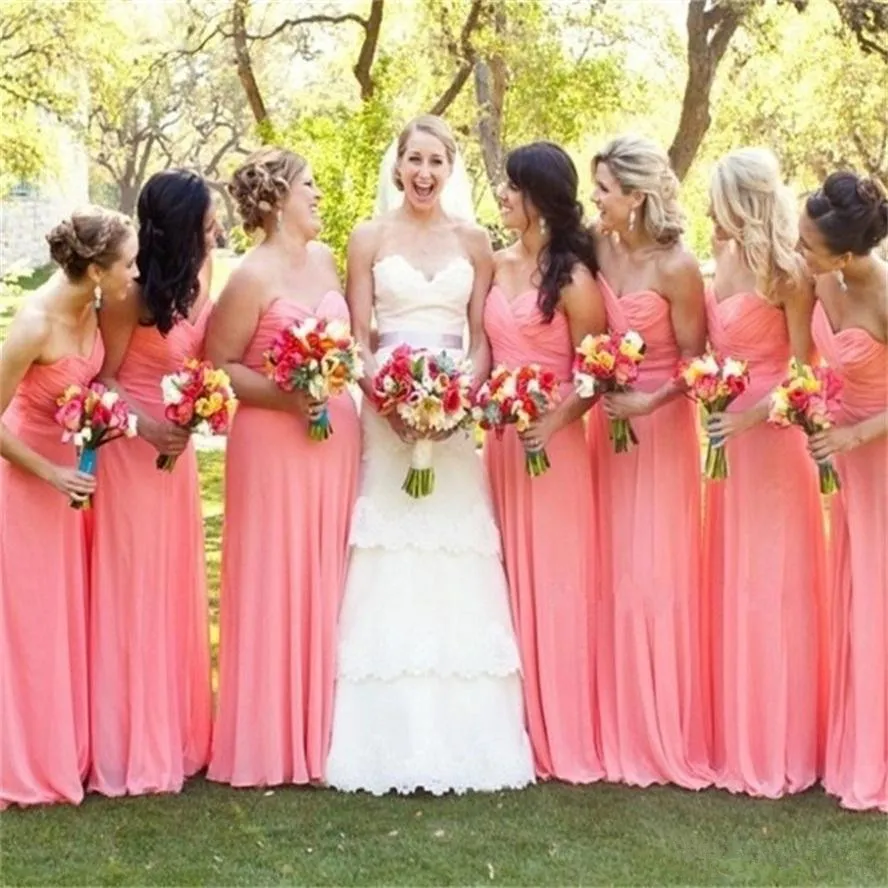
(711, 25)
(245, 64)
(363, 69)
(491, 82)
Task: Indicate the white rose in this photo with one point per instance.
(585, 385)
(170, 390)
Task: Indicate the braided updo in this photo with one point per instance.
(260, 185)
(91, 235)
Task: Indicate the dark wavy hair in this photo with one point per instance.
(172, 245)
(546, 176)
(851, 212)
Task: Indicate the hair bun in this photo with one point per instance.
(871, 192)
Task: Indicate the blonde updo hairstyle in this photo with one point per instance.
(89, 236)
(262, 182)
(431, 125)
(638, 164)
(757, 211)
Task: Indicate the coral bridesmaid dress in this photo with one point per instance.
(546, 525)
(765, 576)
(44, 721)
(649, 646)
(150, 694)
(288, 502)
(856, 767)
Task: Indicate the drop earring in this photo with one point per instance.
(631, 220)
(97, 297)
(544, 228)
(279, 218)
(840, 277)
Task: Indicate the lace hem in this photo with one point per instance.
(409, 524)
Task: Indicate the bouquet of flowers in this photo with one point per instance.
(198, 398)
(714, 383)
(318, 357)
(609, 363)
(431, 393)
(91, 416)
(809, 398)
(518, 397)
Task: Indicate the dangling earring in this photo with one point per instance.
(279, 218)
(840, 277)
(97, 297)
(544, 228)
(631, 219)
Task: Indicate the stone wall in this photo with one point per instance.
(30, 210)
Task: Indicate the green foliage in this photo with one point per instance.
(344, 146)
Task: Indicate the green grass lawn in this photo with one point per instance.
(547, 835)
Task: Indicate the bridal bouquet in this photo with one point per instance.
(715, 383)
(520, 398)
(809, 398)
(609, 363)
(91, 416)
(198, 398)
(318, 357)
(431, 393)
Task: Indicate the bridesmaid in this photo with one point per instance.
(53, 342)
(150, 693)
(287, 498)
(543, 302)
(653, 722)
(840, 227)
(765, 560)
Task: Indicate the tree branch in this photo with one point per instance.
(469, 56)
(364, 65)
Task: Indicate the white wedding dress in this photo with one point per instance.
(429, 690)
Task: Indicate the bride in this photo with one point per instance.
(429, 688)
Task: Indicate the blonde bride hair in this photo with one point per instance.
(639, 164)
(755, 209)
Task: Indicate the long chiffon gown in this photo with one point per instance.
(546, 524)
(288, 503)
(44, 721)
(765, 576)
(856, 768)
(654, 719)
(150, 694)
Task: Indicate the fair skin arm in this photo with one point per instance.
(27, 337)
(232, 325)
(798, 306)
(682, 287)
(477, 243)
(118, 321)
(362, 249)
(583, 306)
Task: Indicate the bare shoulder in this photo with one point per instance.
(32, 325)
(505, 258)
(323, 256)
(246, 280)
(474, 238)
(366, 238)
(679, 271)
(798, 292)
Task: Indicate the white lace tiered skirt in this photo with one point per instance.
(429, 688)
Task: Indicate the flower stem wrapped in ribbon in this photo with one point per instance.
(92, 416)
(430, 393)
(318, 357)
(809, 398)
(609, 363)
(517, 397)
(198, 398)
(715, 383)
